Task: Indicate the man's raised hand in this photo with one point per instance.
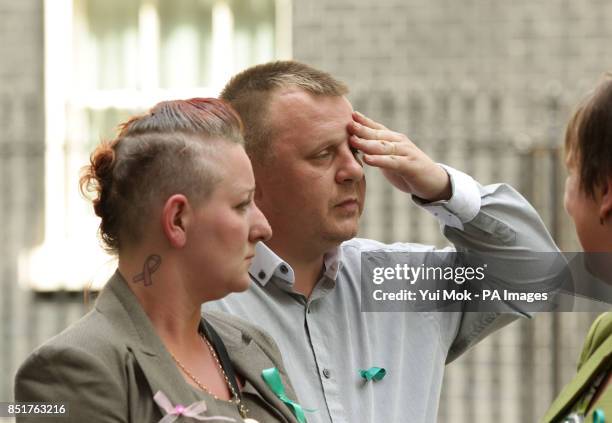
(401, 161)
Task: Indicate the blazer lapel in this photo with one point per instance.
(581, 381)
(249, 361)
(118, 304)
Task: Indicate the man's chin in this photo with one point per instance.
(341, 234)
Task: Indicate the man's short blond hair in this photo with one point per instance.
(250, 91)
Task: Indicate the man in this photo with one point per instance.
(304, 141)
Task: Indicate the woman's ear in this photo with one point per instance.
(175, 216)
(605, 206)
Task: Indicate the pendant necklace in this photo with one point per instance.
(235, 396)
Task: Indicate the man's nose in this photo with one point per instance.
(350, 167)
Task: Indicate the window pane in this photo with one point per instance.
(104, 124)
(106, 44)
(253, 32)
(86, 128)
(185, 32)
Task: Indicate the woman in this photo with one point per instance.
(588, 200)
(174, 192)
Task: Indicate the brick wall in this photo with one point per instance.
(521, 50)
(479, 85)
(21, 164)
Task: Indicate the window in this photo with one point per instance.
(108, 59)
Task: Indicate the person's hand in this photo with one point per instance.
(402, 162)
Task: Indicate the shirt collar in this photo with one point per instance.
(333, 262)
(267, 263)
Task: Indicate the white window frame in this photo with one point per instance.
(70, 257)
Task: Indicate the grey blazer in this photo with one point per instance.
(108, 366)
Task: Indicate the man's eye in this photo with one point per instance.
(358, 154)
(323, 154)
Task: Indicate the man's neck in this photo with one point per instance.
(307, 264)
(306, 276)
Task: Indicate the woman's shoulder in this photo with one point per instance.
(79, 367)
(92, 338)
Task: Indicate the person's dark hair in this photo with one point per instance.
(588, 138)
(166, 151)
(249, 92)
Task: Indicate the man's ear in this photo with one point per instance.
(605, 206)
(175, 217)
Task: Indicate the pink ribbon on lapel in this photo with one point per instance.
(173, 412)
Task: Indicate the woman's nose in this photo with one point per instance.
(260, 228)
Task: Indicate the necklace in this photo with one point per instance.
(236, 398)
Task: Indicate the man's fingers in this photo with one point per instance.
(394, 163)
(378, 147)
(366, 121)
(368, 133)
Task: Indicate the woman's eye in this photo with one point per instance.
(244, 205)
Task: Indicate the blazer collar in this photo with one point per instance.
(119, 304)
(252, 371)
(587, 372)
(249, 360)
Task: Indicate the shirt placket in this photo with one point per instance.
(322, 348)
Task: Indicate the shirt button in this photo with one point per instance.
(283, 269)
(261, 274)
(326, 373)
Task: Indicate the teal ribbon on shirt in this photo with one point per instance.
(373, 373)
(272, 378)
(598, 416)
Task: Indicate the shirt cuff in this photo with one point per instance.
(464, 204)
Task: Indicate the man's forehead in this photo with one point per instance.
(294, 94)
(290, 106)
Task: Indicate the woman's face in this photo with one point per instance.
(584, 211)
(226, 227)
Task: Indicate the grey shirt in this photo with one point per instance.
(326, 339)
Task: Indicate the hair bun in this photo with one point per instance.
(97, 177)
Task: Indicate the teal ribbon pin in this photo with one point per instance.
(598, 416)
(373, 373)
(272, 378)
